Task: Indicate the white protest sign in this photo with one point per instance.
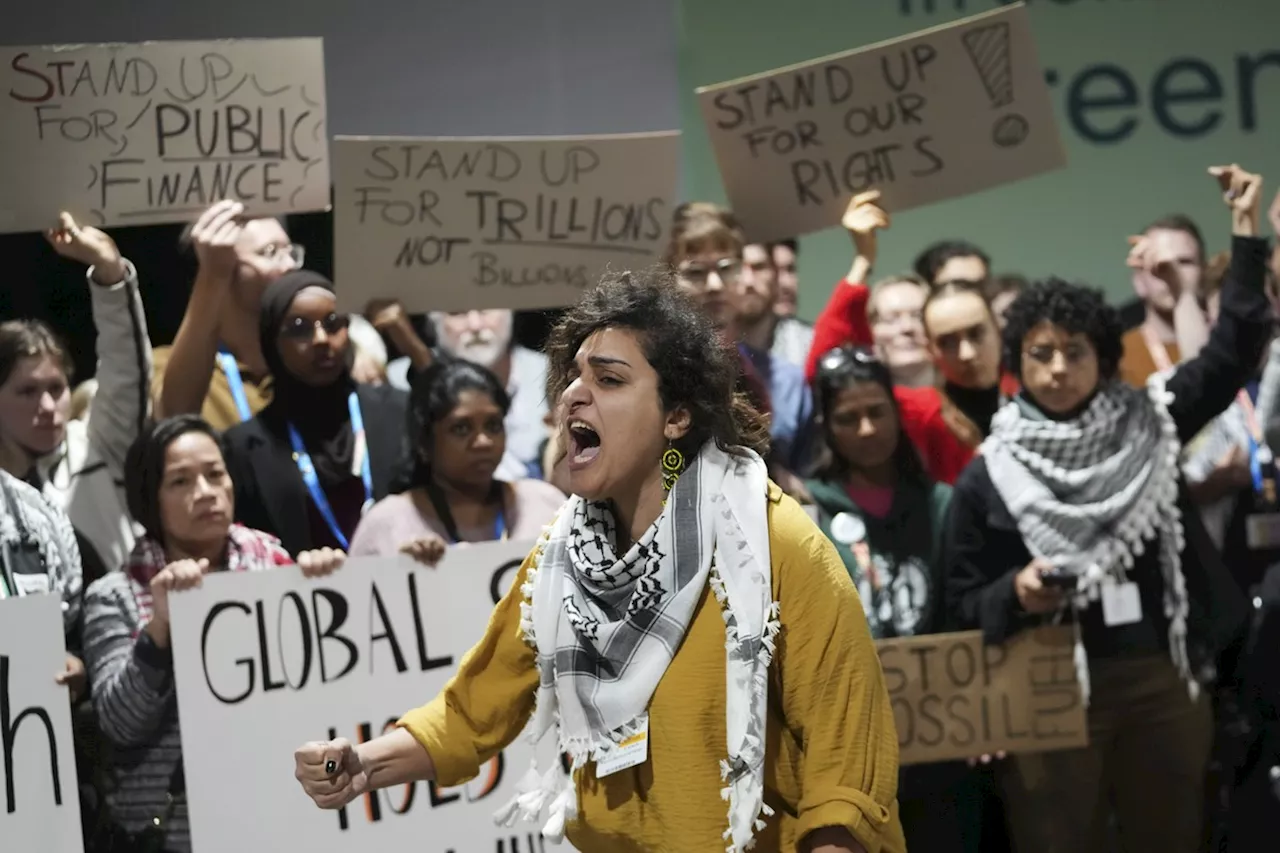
(133, 134)
(41, 804)
(521, 223)
(941, 113)
(267, 661)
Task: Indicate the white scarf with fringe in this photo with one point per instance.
(606, 628)
(1089, 494)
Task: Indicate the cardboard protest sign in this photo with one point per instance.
(133, 134)
(521, 223)
(941, 113)
(38, 766)
(267, 661)
(954, 697)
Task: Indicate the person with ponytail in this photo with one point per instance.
(326, 447)
(457, 416)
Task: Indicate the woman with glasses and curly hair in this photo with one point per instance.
(679, 600)
(1076, 510)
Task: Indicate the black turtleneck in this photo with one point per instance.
(978, 404)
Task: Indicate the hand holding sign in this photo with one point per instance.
(330, 772)
(177, 576)
(87, 246)
(427, 550)
(74, 677)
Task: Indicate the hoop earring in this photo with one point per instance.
(672, 467)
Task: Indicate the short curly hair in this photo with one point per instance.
(696, 369)
(1073, 307)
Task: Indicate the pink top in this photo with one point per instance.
(875, 501)
(395, 520)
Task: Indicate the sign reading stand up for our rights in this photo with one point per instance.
(934, 115)
(137, 134)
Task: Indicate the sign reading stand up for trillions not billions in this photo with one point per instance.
(930, 116)
(39, 803)
(136, 134)
(521, 223)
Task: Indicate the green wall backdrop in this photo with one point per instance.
(1148, 94)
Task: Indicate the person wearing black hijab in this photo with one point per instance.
(326, 447)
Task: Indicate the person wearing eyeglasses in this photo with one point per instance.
(1076, 511)
(885, 516)
(215, 366)
(312, 461)
(707, 252)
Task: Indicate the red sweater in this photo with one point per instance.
(844, 321)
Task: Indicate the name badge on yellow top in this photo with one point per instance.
(629, 752)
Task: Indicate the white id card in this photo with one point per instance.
(31, 584)
(1262, 531)
(630, 752)
(1121, 604)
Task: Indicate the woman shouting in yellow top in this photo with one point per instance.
(689, 632)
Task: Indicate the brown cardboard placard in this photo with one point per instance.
(451, 224)
(933, 115)
(154, 132)
(954, 697)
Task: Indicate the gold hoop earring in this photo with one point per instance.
(672, 467)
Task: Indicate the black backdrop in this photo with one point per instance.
(37, 283)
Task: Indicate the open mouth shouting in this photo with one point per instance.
(584, 444)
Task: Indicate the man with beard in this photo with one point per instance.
(485, 338)
(792, 337)
(757, 292)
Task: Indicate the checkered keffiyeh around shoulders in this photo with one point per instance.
(1090, 494)
(607, 626)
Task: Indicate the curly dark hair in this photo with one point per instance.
(935, 257)
(1073, 307)
(696, 369)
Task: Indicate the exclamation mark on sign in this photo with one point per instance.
(988, 48)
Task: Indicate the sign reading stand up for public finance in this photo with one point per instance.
(266, 661)
(41, 805)
(941, 113)
(522, 223)
(137, 134)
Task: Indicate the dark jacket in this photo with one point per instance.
(984, 549)
(269, 491)
(905, 549)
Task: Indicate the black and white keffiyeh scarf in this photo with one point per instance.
(606, 628)
(1090, 493)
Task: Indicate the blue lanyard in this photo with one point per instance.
(1259, 453)
(231, 370)
(499, 527)
(312, 482)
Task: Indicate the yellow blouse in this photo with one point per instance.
(832, 750)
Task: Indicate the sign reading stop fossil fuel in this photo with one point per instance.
(941, 113)
(134, 134)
